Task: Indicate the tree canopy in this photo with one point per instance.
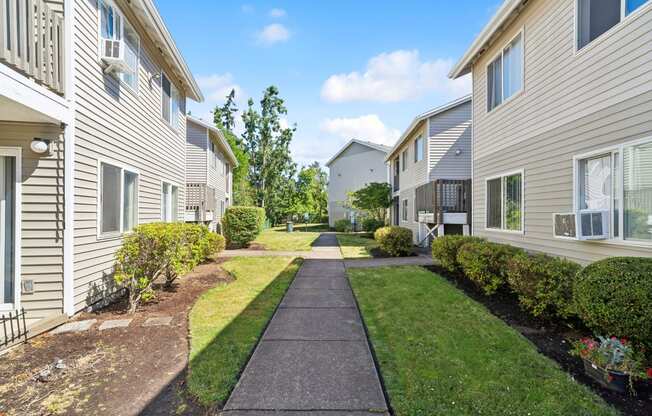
(375, 199)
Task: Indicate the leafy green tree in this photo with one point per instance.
(311, 191)
(224, 119)
(271, 169)
(375, 199)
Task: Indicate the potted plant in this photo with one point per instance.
(612, 362)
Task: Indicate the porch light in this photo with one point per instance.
(40, 146)
(458, 152)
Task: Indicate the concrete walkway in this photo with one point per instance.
(314, 358)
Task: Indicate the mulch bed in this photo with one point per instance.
(552, 340)
(126, 371)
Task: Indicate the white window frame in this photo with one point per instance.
(502, 176)
(623, 17)
(172, 185)
(212, 154)
(502, 70)
(610, 150)
(405, 210)
(175, 118)
(404, 159)
(125, 22)
(418, 148)
(16, 152)
(123, 168)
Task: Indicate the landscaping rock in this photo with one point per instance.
(77, 326)
(115, 323)
(158, 321)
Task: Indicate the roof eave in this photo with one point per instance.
(225, 144)
(166, 41)
(374, 146)
(504, 13)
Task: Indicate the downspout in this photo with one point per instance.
(69, 162)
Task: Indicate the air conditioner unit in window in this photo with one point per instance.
(565, 225)
(113, 55)
(593, 225)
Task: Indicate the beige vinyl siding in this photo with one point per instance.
(42, 217)
(117, 125)
(412, 221)
(572, 104)
(449, 132)
(560, 84)
(196, 162)
(416, 173)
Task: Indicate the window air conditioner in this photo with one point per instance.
(593, 224)
(113, 55)
(565, 225)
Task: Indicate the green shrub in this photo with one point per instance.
(485, 264)
(371, 224)
(241, 225)
(343, 226)
(614, 297)
(395, 241)
(164, 250)
(445, 248)
(544, 284)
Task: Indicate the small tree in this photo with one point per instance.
(375, 199)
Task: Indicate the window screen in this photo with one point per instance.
(494, 203)
(596, 17)
(110, 198)
(166, 92)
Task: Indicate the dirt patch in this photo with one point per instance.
(554, 341)
(125, 371)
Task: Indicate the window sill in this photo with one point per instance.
(498, 230)
(507, 101)
(622, 243)
(9, 307)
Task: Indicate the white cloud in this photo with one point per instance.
(273, 33)
(277, 13)
(368, 127)
(217, 86)
(395, 76)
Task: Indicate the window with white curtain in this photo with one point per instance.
(113, 25)
(118, 199)
(619, 181)
(505, 73)
(595, 17)
(169, 202)
(504, 203)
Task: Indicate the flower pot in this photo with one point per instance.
(612, 380)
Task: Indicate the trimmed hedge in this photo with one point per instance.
(241, 225)
(544, 284)
(445, 249)
(161, 250)
(371, 225)
(395, 241)
(343, 226)
(614, 297)
(485, 264)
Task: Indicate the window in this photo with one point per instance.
(404, 213)
(619, 181)
(418, 149)
(171, 102)
(10, 184)
(221, 208)
(117, 214)
(169, 202)
(404, 160)
(595, 17)
(505, 74)
(505, 202)
(212, 156)
(114, 26)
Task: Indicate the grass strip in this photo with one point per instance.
(227, 321)
(442, 353)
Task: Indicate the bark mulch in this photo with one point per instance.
(125, 371)
(554, 341)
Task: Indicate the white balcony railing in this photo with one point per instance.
(32, 41)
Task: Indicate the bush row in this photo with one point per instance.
(241, 225)
(395, 241)
(612, 296)
(161, 250)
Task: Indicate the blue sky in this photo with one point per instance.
(347, 69)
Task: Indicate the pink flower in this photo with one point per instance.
(649, 372)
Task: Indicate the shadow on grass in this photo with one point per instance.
(204, 386)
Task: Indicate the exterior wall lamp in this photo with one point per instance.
(40, 146)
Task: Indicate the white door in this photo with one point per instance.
(7, 230)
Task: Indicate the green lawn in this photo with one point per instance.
(355, 246)
(441, 353)
(227, 321)
(277, 239)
